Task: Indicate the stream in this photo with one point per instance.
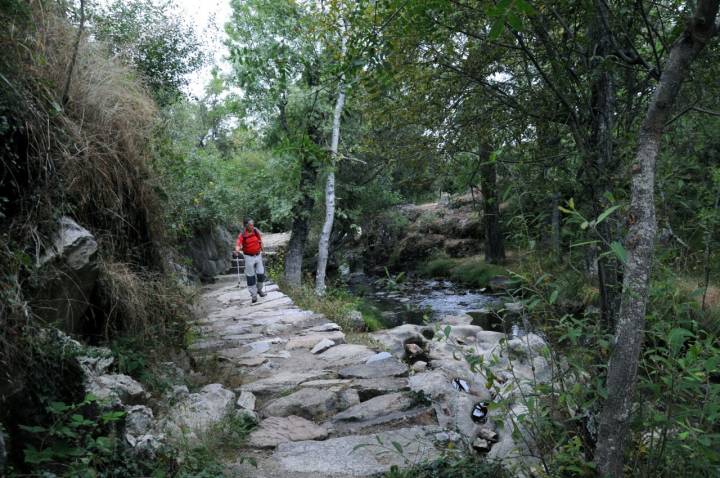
(415, 300)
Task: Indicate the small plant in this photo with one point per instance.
(72, 443)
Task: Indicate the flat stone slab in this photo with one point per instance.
(361, 455)
(375, 407)
(283, 381)
(346, 354)
(372, 387)
(309, 341)
(322, 346)
(312, 403)
(276, 430)
(389, 367)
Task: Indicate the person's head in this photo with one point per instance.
(248, 223)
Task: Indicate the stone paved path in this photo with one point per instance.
(326, 408)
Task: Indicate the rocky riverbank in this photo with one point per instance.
(326, 407)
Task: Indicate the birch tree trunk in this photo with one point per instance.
(623, 365)
(324, 243)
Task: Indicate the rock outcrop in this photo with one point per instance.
(70, 271)
(211, 251)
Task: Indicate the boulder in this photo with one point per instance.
(389, 367)
(116, 389)
(419, 366)
(246, 401)
(394, 339)
(355, 320)
(198, 412)
(312, 403)
(211, 252)
(276, 430)
(97, 362)
(70, 270)
(139, 420)
(481, 445)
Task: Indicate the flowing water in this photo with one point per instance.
(417, 301)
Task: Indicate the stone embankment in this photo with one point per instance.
(326, 407)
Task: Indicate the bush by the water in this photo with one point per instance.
(469, 271)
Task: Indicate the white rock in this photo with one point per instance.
(309, 341)
(139, 420)
(199, 411)
(116, 388)
(322, 346)
(329, 327)
(419, 366)
(246, 401)
(379, 356)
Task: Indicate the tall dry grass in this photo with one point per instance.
(89, 156)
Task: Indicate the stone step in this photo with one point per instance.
(363, 455)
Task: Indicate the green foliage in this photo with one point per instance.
(678, 395)
(471, 271)
(451, 467)
(74, 442)
(207, 458)
(151, 37)
(336, 304)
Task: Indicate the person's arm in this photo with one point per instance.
(259, 239)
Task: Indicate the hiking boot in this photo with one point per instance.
(254, 299)
(261, 293)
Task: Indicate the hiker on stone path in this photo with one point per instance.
(250, 242)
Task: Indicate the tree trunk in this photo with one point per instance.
(324, 242)
(302, 210)
(555, 226)
(301, 223)
(623, 364)
(494, 241)
(598, 180)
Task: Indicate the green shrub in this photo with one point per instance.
(452, 467)
(470, 271)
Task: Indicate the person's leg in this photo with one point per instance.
(260, 272)
(250, 276)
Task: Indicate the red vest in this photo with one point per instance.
(249, 242)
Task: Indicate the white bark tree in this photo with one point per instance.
(324, 243)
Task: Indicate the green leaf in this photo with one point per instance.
(677, 336)
(497, 28)
(619, 251)
(514, 21)
(398, 447)
(605, 214)
(447, 331)
(554, 296)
